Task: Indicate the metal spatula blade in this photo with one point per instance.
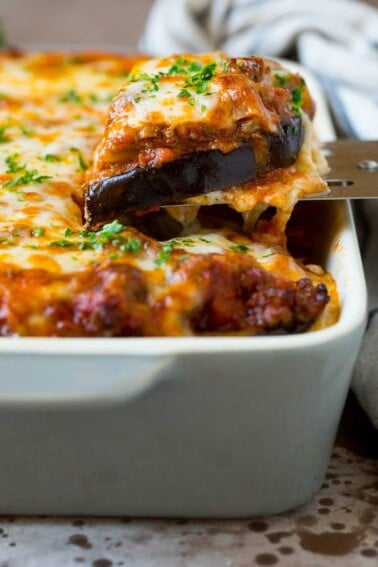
(353, 170)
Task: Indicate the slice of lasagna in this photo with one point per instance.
(204, 130)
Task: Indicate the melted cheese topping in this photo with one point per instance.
(52, 114)
(52, 110)
(181, 97)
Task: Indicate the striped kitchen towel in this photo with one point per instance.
(338, 41)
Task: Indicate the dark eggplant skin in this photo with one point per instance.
(193, 174)
(284, 149)
(144, 188)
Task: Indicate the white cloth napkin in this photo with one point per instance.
(336, 39)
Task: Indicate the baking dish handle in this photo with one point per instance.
(49, 380)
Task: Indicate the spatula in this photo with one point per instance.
(353, 170)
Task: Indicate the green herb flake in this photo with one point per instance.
(68, 233)
(61, 243)
(28, 177)
(82, 163)
(26, 131)
(71, 96)
(297, 100)
(131, 245)
(38, 231)
(113, 256)
(241, 248)
(13, 165)
(3, 137)
(52, 158)
(280, 79)
(184, 93)
(165, 252)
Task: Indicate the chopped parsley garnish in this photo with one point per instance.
(165, 252)
(268, 255)
(3, 137)
(71, 96)
(62, 243)
(52, 157)
(38, 231)
(200, 79)
(241, 248)
(6, 241)
(31, 176)
(82, 163)
(91, 240)
(184, 93)
(197, 78)
(297, 100)
(12, 164)
(280, 79)
(26, 131)
(131, 245)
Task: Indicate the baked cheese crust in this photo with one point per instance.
(57, 279)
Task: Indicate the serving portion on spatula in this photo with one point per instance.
(202, 130)
(199, 130)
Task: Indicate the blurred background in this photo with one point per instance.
(90, 22)
(81, 21)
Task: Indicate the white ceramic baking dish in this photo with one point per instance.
(195, 427)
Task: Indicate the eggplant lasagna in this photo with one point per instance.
(150, 197)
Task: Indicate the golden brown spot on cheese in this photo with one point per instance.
(44, 262)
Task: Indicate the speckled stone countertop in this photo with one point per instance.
(339, 527)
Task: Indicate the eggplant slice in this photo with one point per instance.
(197, 173)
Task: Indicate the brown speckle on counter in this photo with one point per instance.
(330, 543)
(369, 552)
(258, 526)
(266, 559)
(102, 563)
(275, 537)
(286, 550)
(80, 540)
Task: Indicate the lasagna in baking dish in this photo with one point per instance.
(148, 197)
